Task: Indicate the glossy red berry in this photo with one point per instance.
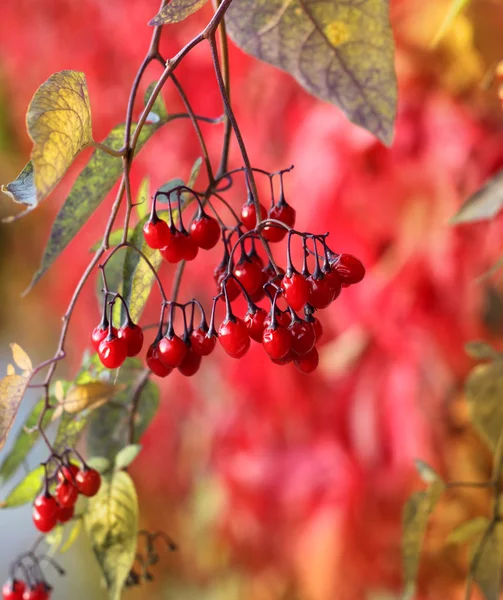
(202, 343)
(205, 232)
(280, 212)
(334, 281)
(99, 333)
(13, 589)
(231, 285)
(174, 251)
(296, 290)
(302, 336)
(66, 513)
(112, 351)
(249, 274)
(88, 482)
(154, 363)
(249, 215)
(283, 319)
(321, 294)
(39, 592)
(307, 363)
(66, 494)
(317, 327)
(276, 342)
(349, 269)
(44, 523)
(133, 335)
(156, 233)
(171, 351)
(190, 363)
(189, 248)
(287, 359)
(255, 323)
(68, 473)
(233, 337)
(46, 505)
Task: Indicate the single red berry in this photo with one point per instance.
(276, 341)
(349, 269)
(280, 212)
(249, 274)
(254, 322)
(156, 233)
(255, 258)
(44, 523)
(171, 351)
(318, 328)
(307, 363)
(233, 337)
(68, 473)
(40, 591)
(321, 294)
(174, 251)
(231, 286)
(190, 363)
(271, 274)
(66, 513)
(46, 505)
(302, 336)
(334, 282)
(13, 589)
(133, 334)
(205, 232)
(202, 343)
(295, 290)
(286, 360)
(189, 248)
(88, 482)
(112, 351)
(99, 333)
(154, 363)
(66, 494)
(249, 215)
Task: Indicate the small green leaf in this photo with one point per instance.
(176, 11)
(126, 456)
(112, 524)
(75, 529)
(143, 199)
(54, 539)
(166, 189)
(456, 7)
(194, 173)
(484, 204)
(415, 518)
(26, 490)
(486, 560)
(427, 473)
(159, 108)
(22, 190)
(99, 463)
(24, 442)
(69, 430)
(467, 531)
(482, 351)
(114, 239)
(340, 51)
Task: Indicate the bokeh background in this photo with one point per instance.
(278, 485)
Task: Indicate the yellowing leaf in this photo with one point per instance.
(340, 51)
(484, 204)
(486, 562)
(455, 8)
(467, 531)
(415, 518)
(143, 198)
(20, 357)
(427, 473)
(11, 370)
(59, 392)
(176, 11)
(12, 389)
(76, 528)
(89, 395)
(112, 524)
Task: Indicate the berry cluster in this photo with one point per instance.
(51, 509)
(32, 584)
(286, 327)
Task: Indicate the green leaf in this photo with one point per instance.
(467, 531)
(26, 490)
(75, 529)
(143, 199)
(486, 561)
(114, 239)
(159, 108)
(194, 173)
(415, 518)
(167, 188)
(484, 391)
(484, 204)
(22, 190)
(70, 429)
(54, 539)
(99, 463)
(176, 11)
(112, 524)
(89, 190)
(127, 455)
(455, 8)
(482, 351)
(341, 51)
(24, 442)
(427, 473)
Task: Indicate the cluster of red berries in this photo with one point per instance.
(49, 510)
(16, 589)
(288, 330)
(32, 585)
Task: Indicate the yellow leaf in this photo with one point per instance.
(455, 9)
(59, 123)
(89, 395)
(176, 11)
(12, 389)
(11, 370)
(486, 561)
(20, 357)
(59, 392)
(468, 530)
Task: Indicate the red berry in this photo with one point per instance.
(189, 248)
(296, 290)
(174, 251)
(205, 232)
(66, 513)
(38, 592)
(46, 506)
(156, 233)
(233, 337)
(254, 322)
(249, 274)
(88, 482)
(44, 523)
(302, 336)
(68, 473)
(276, 341)
(283, 318)
(321, 294)
(99, 333)
(13, 589)
(249, 215)
(112, 351)
(271, 274)
(171, 351)
(280, 212)
(190, 363)
(133, 334)
(202, 343)
(154, 363)
(349, 269)
(334, 281)
(287, 359)
(308, 362)
(231, 286)
(318, 328)
(66, 494)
